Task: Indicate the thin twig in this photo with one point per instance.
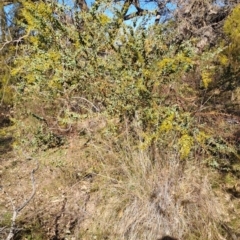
(96, 108)
(16, 210)
(14, 41)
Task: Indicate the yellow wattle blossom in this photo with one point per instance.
(104, 19)
(34, 40)
(167, 124)
(232, 24)
(206, 78)
(15, 71)
(201, 137)
(54, 55)
(167, 64)
(185, 143)
(34, 12)
(171, 65)
(223, 59)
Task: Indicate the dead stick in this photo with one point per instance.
(18, 209)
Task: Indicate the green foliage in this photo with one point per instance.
(229, 57)
(133, 80)
(6, 91)
(44, 139)
(6, 219)
(232, 27)
(9, 33)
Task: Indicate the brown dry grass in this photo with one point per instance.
(104, 187)
(151, 201)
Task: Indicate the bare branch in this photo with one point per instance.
(136, 3)
(82, 4)
(16, 210)
(140, 11)
(7, 2)
(126, 6)
(135, 14)
(13, 41)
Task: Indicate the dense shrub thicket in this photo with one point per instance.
(172, 99)
(65, 72)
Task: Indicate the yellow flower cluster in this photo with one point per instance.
(232, 24)
(178, 63)
(103, 19)
(185, 143)
(34, 12)
(223, 59)
(206, 78)
(167, 124)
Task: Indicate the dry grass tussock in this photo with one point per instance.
(108, 188)
(151, 201)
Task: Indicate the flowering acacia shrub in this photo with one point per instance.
(142, 79)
